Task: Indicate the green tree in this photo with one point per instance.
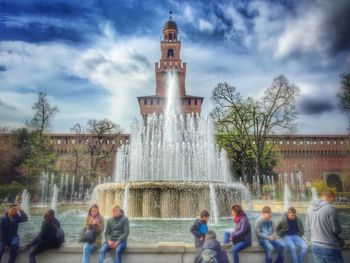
(244, 125)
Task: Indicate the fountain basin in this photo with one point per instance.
(163, 199)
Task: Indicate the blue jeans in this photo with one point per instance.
(326, 255)
(14, 246)
(269, 247)
(292, 243)
(118, 252)
(87, 250)
(238, 247)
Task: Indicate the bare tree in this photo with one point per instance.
(251, 121)
(101, 139)
(344, 96)
(44, 114)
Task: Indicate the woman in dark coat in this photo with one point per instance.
(47, 237)
(241, 237)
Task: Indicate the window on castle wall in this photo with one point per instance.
(151, 101)
(170, 36)
(189, 101)
(294, 142)
(341, 142)
(335, 142)
(72, 141)
(328, 142)
(195, 101)
(281, 142)
(145, 101)
(58, 141)
(158, 101)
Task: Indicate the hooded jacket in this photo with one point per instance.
(323, 222)
(282, 226)
(211, 252)
(242, 231)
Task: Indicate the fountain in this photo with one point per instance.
(171, 165)
(287, 197)
(54, 198)
(25, 201)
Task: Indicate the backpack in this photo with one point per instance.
(59, 235)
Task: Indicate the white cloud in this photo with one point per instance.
(205, 25)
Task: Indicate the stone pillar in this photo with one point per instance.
(118, 197)
(102, 202)
(188, 203)
(135, 203)
(109, 202)
(169, 203)
(151, 203)
(204, 199)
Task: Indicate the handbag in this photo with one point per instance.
(59, 235)
(88, 235)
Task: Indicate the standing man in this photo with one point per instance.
(291, 229)
(9, 231)
(325, 229)
(116, 234)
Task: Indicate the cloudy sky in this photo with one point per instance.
(93, 57)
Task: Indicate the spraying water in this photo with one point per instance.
(54, 199)
(213, 205)
(287, 197)
(25, 201)
(314, 196)
(126, 199)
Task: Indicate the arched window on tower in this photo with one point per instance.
(170, 36)
(170, 52)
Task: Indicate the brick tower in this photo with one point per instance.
(170, 59)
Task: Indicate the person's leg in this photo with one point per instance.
(103, 251)
(238, 247)
(279, 245)
(87, 249)
(227, 236)
(334, 256)
(301, 243)
(268, 248)
(37, 249)
(318, 254)
(14, 246)
(118, 252)
(1, 249)
(289, 241)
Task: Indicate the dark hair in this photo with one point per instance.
(92, 207)
(238, 209)
(12, 205)
(292, 210)
(49, 215)
(204, 213)
(211, 235)
(266, 209)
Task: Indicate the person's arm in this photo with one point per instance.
(195, 229)
(279, 226)
(23, 216)
(242, 230)
(2, 233)
(334, 220)
(301, 227)
(108, 231)
(125, 235)
(258, 230)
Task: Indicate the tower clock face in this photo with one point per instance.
(170, 53)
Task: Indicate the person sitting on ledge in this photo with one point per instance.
(47, 238)
(211, 251)
(200, 228)
(9, 231)
(116, 234)
(291, 229)
(92, 234)
(241, 237)
(265, 231)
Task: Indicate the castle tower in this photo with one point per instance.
(170, 59)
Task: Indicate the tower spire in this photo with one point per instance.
(170, 15)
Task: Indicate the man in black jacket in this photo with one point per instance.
(9, 231)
